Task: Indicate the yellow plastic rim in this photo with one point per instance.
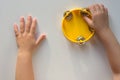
(74, 27)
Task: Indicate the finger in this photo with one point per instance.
(22, 24)
(16, 30)
(39, 40)
(97, 8)
(89, 7)
(106, 10)
(33, 26)
(102, 7)
(89, 21)
(92, 9)
(28, 24)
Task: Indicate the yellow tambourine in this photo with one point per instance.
(75, 28)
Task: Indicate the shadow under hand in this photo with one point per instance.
(41, 59)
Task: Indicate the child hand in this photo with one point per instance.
(99, 20)
(25, 37)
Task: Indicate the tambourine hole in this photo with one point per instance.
(91, 29)
(83, 13)
(65, 13)
(69, 16)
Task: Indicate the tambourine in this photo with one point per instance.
(74, 26)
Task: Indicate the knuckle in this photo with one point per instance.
(30, 35)
(102, 5)
(16, 35)
(97, 4)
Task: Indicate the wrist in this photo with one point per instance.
(25, 51)
(24, 57)
(26, 54)
(105, 35)
(103, 32)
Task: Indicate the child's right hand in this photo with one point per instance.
(99, 20)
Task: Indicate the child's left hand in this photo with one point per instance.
(25, 37)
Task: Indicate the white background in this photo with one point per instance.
(57, 58)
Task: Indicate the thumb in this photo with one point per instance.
(40, 38)
(89, 21)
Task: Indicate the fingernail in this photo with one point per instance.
(21, 17)
(44, 35)
(34, 19)
(29, 17)
(14, 24)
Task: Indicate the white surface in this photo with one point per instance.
(57, 58)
